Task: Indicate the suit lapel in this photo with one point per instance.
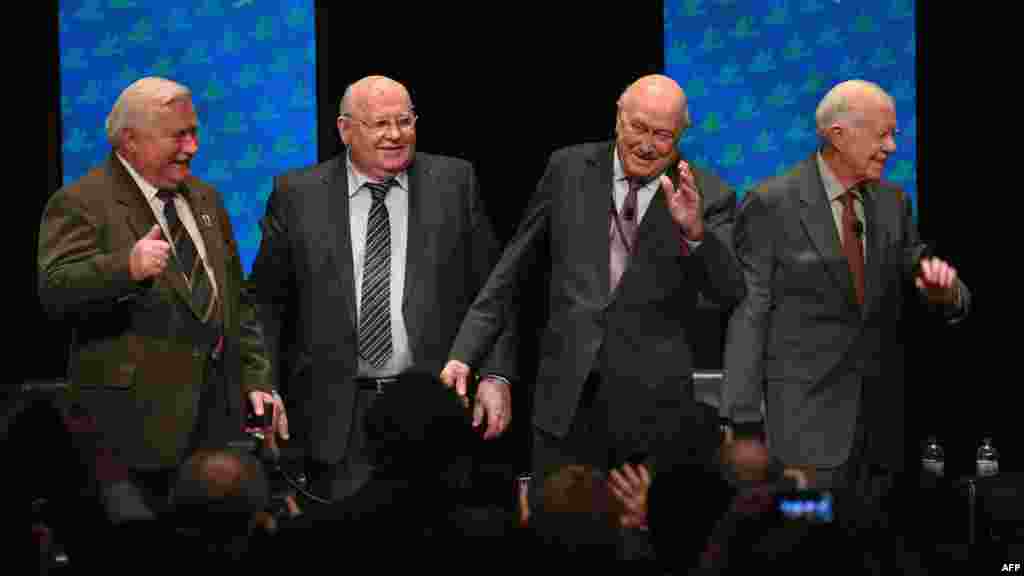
(874, 232)
(140, 219)
(338, 230)
(418, 247)
(594, 214)
(819, 223)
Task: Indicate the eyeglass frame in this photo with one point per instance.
(656, 134)
(380, 129)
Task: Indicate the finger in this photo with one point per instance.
(616, 479)
(797, 476)
(493, 424)
(256, 399)
(282, 424)
(949, 276)
(155, 233)
(478, 414)
(926, 268)
(645, 475)
(461, 382)
(161, 249)
(619, 493)
(448, 375)
(630, 474)
(688, 190)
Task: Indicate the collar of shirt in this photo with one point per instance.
(148, 190)
(621, 187)
(356, 179)
(833, 188)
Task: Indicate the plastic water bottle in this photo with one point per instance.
(988, 459)
(933, 458)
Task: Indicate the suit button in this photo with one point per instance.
(196, 352)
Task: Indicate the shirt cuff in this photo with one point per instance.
(687, 246)
(499, 378)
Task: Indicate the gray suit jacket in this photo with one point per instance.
(638, 338)
(304, 281)
(800, 341)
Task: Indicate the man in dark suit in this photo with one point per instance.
(139, 256)
(828, 250)
(630, 250)
(367, 265)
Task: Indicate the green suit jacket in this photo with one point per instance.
(141, 362)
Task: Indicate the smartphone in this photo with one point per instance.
(811, 506)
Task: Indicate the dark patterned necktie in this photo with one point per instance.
(375, 298)
(187, 257)
(622, 233)
(852, 246)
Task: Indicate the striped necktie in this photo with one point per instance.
(375, 299)
(190, 264)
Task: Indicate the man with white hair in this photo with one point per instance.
(829, 251)
(139, 257)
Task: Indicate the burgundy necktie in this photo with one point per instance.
(853, 229)
(622, 233)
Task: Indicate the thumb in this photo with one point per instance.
(155, 233)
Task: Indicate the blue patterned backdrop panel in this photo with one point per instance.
(252, 70)
(755, 70)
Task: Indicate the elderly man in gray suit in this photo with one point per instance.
(829, 251)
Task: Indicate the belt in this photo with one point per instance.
(376, 384)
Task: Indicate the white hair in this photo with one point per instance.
(345, 107)
(840, 103)
(136, 105)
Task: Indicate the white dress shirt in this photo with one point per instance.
(397, 202)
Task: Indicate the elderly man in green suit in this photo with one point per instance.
(139, 257)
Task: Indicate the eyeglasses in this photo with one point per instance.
(404, 123)
(639, 129)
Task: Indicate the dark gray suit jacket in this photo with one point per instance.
(638, 339)
(801, 342)
(304, 281)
